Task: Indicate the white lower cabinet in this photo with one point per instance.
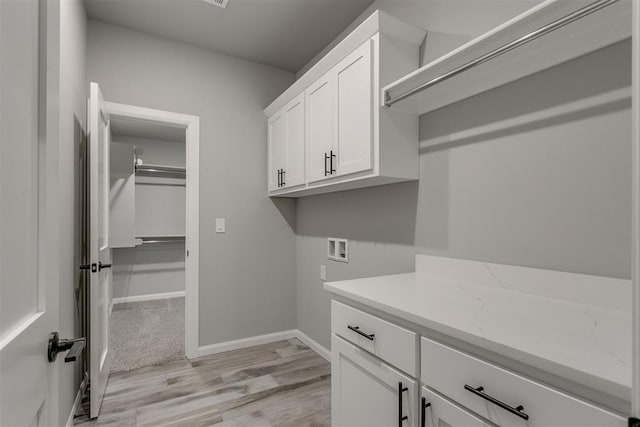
(437, 411)
(373, 364)
(368, 392)
(504, 397)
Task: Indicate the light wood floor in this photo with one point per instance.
(277, 384)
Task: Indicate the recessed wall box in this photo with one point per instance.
(338, 249)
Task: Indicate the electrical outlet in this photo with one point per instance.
(323, 272)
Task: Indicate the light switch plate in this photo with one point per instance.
(323, 272)
(220, 225)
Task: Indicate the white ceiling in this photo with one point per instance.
(121, 126)
(282, 33)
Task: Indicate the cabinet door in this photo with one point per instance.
(276, 148)
(439, 412)
(294, 161)
(354, 111)
(319, 98)
(366, 391)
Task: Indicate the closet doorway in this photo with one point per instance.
(153, 233)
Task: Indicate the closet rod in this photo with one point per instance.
(161, 239)
(568, 19)
(152, 169)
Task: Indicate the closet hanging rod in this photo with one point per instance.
(152, 169)
(565, 20)
(161, 239)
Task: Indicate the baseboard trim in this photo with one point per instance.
(245, 342)
(148, 297)
(208, 350)
(78, 401)
(314, 345)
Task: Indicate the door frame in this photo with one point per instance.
(192, 246)
(635, 218)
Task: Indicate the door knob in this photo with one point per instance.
(101, 266)
(57, 345)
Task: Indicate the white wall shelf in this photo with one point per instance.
(609, 22)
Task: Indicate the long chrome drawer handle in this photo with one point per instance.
(479, 391)
(357, 330)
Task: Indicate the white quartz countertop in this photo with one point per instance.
(586, 343)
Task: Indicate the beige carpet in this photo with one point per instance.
(146, 333)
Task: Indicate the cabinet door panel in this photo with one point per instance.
(294, 162)
(354, 111)
(320, 126)
(365, 390)
(442, 413)
(276, 148)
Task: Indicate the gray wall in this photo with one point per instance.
(524, 186)
(73, 96)
(247, 276)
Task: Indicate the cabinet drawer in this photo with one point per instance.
(439, 412)
(389, 342)
(473, 383)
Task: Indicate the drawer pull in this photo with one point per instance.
(357, 330)
(479, 391)
(423, 409)
(401, 389)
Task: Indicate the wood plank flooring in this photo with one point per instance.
(277, 384)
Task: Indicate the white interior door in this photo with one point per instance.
(28, 261)
(99, 251)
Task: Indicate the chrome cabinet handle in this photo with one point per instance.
(357, 330)
(479, 391)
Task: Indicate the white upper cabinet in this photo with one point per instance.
(286, 146)
(354, 111)
(295, 136)
(350, 139)
(276, 150)
(319, 127)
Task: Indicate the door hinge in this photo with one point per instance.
(93, 267)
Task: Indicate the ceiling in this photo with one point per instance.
(282, 33)
(121, 126)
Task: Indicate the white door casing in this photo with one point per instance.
(28, 213)
(191, 124)
(98, 140)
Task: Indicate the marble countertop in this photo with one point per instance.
(586, 341)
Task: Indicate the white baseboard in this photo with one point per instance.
(208, 350)
(245, 342)
(78, 401)
(314, 345)
(148, 297)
